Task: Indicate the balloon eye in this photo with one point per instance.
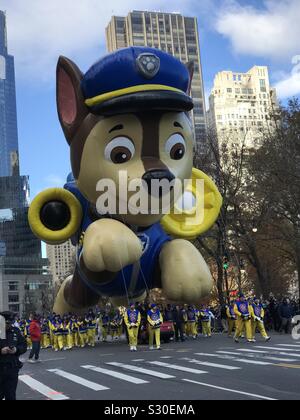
(119, 150)
(176, 147)
(177, 152)
(120, 155)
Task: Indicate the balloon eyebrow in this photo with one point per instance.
(117, 127)
(177, 124)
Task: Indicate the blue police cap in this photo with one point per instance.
(137, 78)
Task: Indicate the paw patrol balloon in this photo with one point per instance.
(131, 145)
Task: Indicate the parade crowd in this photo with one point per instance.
(143, 322)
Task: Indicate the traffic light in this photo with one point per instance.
(225, 263)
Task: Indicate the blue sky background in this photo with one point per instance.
(234, 35)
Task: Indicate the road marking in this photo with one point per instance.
(289, 354)
(261, 397)
(42, 389)
(117, 375)
(289, 345)
(208, 364)
(207, 354)
(277, 359)
(228, 352)
(253, 362)
(177, 367)
(138, 360)
(141, 370)
(289, 366)
(275, 348)
(253, 351)
(166, 357)
(78, 380)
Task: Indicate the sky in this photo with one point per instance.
(234, 35)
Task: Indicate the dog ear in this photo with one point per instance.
(70, 101)
(191, 68)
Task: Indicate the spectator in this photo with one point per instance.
(285, 313)
(179, 319)
(12, 345)
(35, 336)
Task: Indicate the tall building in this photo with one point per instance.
(8, 114)
(240, 105)
(170, 32)
(24, 280)
(62, 260)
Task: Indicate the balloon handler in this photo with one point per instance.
(132, 321)
(155, 319)
(129, 114)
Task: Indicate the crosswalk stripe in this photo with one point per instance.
(289, 354)
(207, 354)
(214, 365)
(42, 389)
(276, 359)
(177, 367)
(117, 375)
(78, 380)
(233, 353)
(252, 351)
(253, 362)
(261, 397)
(274, 348)
(289, 345)
(141, 370)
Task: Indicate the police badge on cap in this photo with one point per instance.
(148, 64)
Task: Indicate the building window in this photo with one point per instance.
(229, 90)
(13, 286)
(13, 298)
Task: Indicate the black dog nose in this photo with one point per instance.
(159, 175)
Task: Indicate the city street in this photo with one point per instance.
(206, 369)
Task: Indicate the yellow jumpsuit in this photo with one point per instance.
(60, 337)
(132, 321)
(74, 333)
(206, 324)
(82, 333)
(154, 319)
(45, 336)
(257, 317)
(243, 321)
(231, 317)
(91, 332)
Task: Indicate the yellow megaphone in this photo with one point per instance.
(197, 210)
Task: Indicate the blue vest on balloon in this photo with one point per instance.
(132, 280)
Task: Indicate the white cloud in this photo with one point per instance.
(39, 31)
(289, 85)
(271, 32)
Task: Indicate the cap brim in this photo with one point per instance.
(145, 101)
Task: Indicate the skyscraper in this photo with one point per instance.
(24, 283)
(9, 162)
(170, 32)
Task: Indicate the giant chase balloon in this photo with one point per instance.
(133, 200)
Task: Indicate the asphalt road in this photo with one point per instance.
(205, 369)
